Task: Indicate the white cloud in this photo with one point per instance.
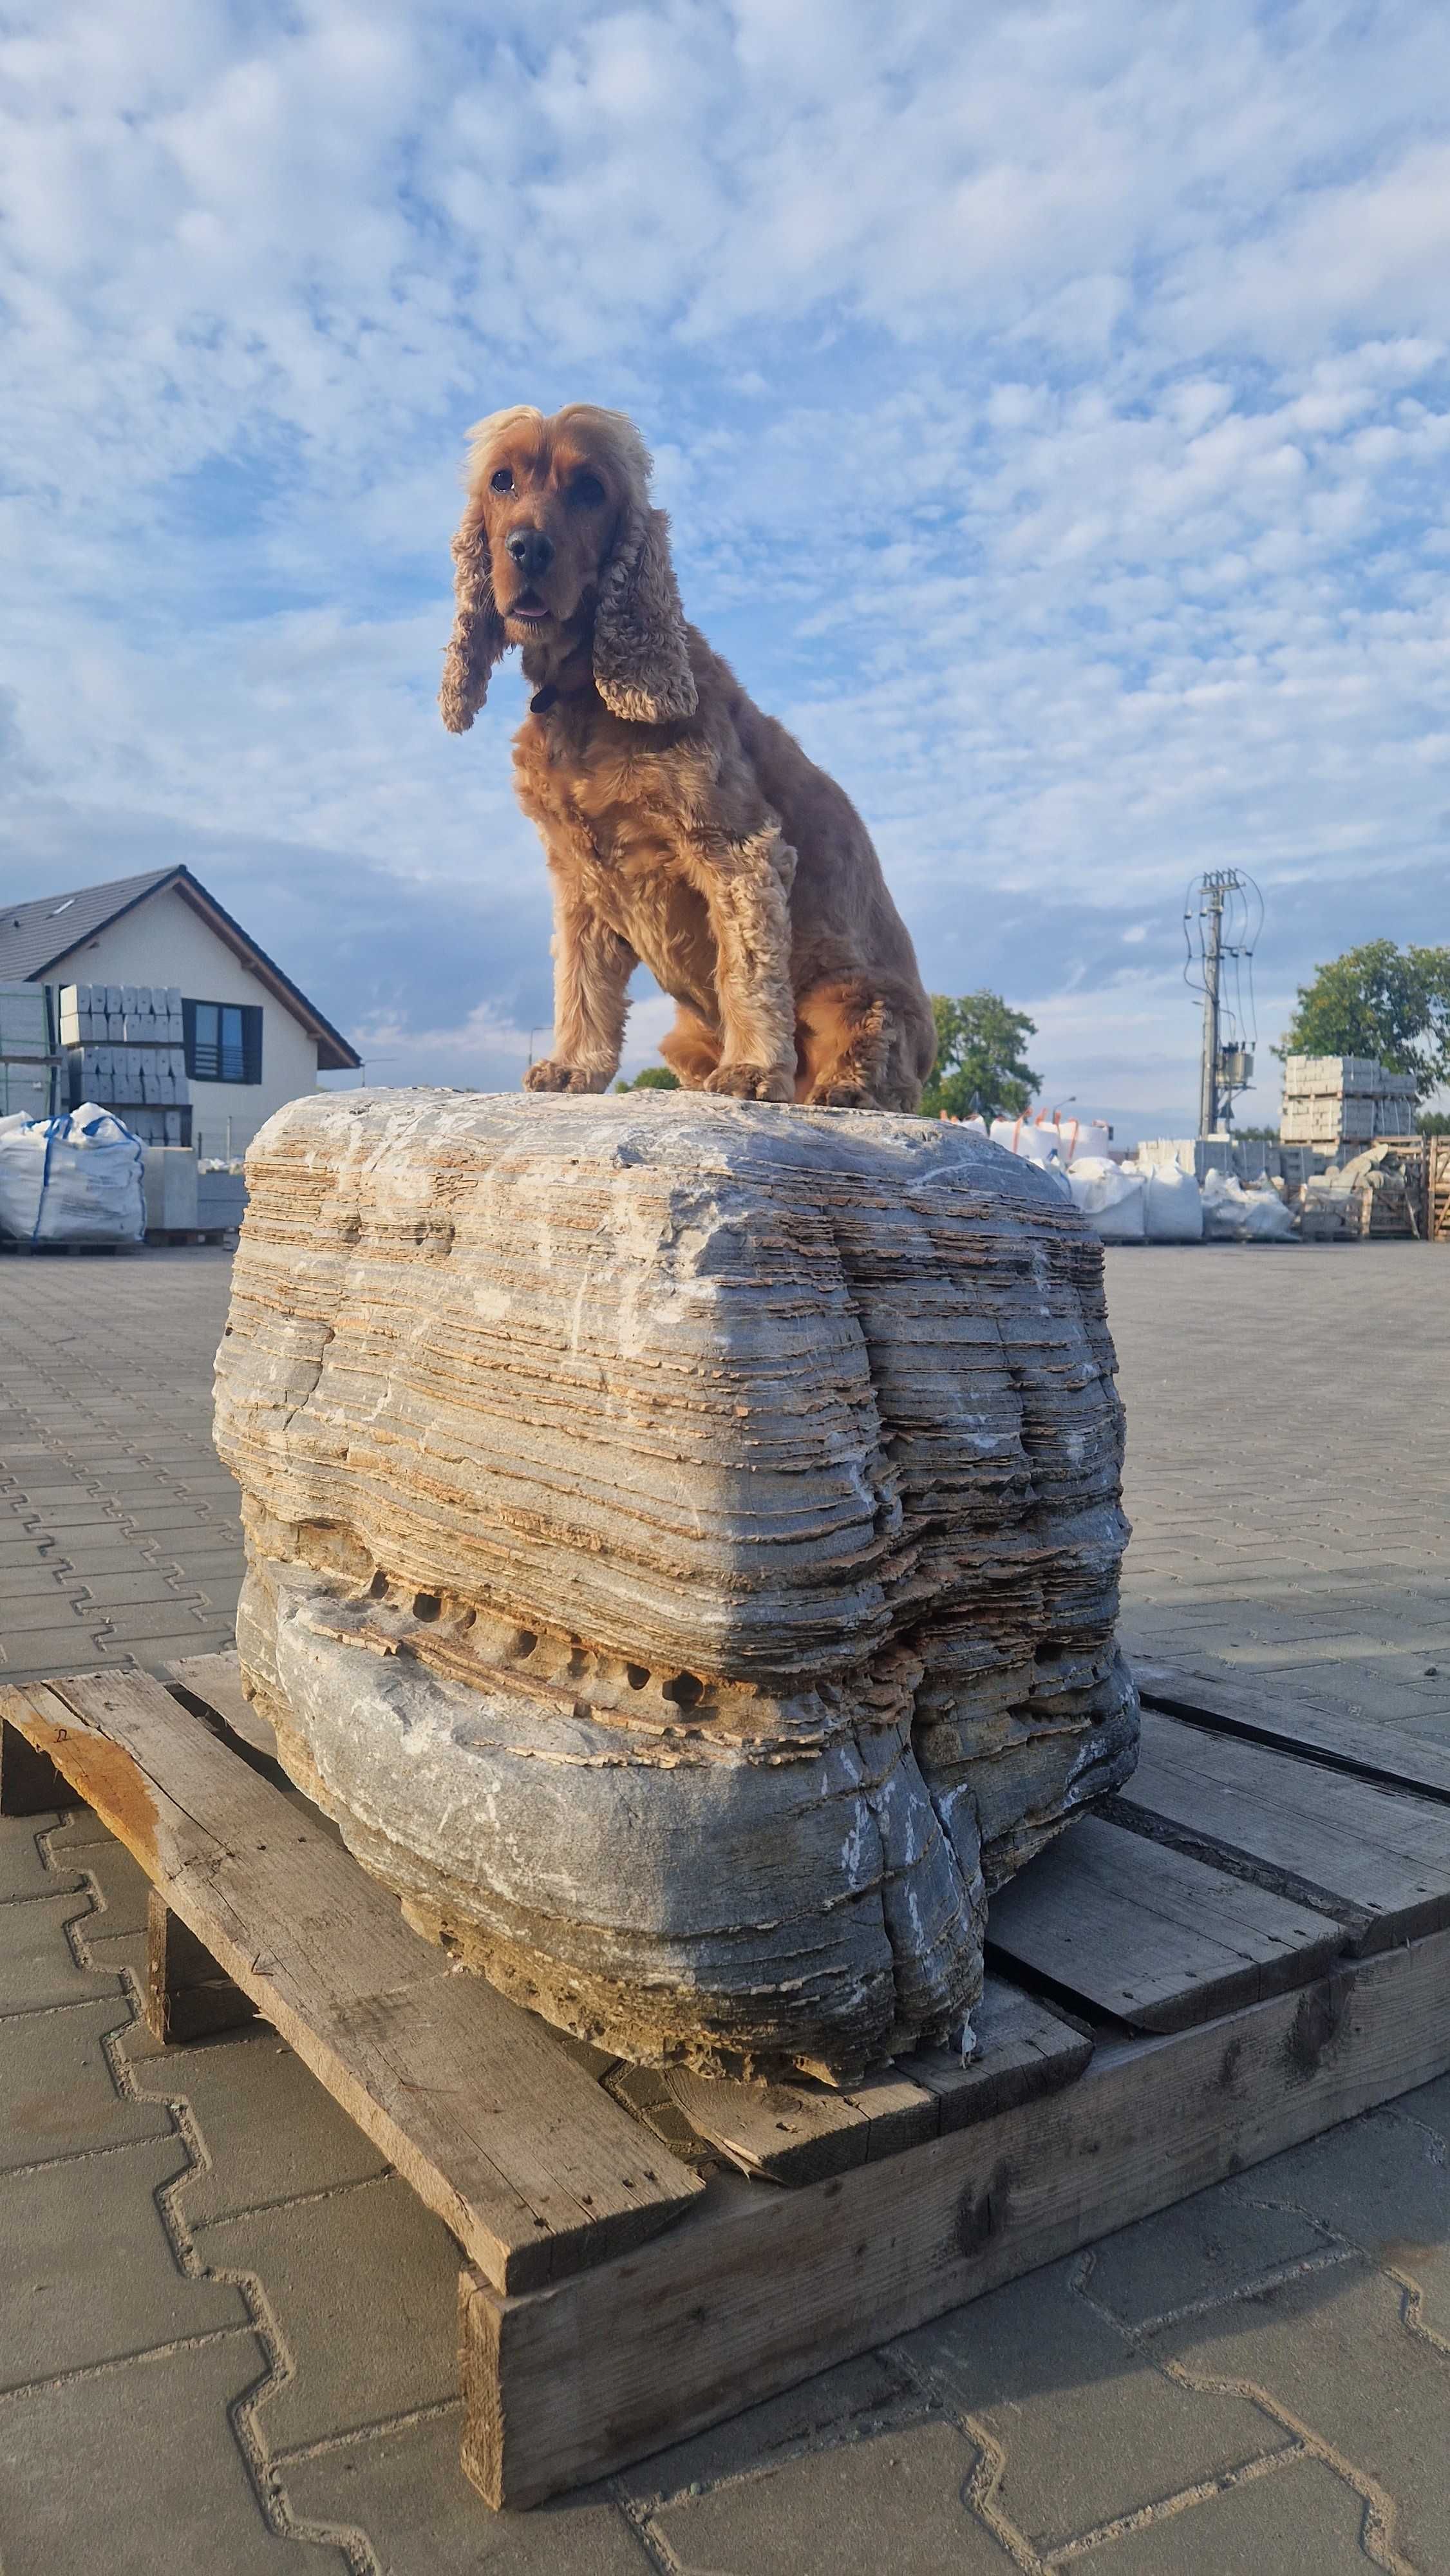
(1053, 413)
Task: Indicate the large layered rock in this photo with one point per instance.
(683, 1543)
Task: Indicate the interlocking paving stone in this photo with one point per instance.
(57, 2093)
(87, 2271)
(856, 2396)
(1376, 2182)
(364, 2286)
(22, 1863)
(892, 2502)
(1217, 2246)
(54, 1650)
(87, 2485)
(43, 1611)
(1301, 2520)
(122, 1891)
(271, 2131)
(1344, 2366)
(405, 2489)
(1090, 2430)
(37, 1964)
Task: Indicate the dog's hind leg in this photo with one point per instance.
(844, 1032)
(691, 1048)
(861, 1043)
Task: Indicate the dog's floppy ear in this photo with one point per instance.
(478, 639)
(641, 662)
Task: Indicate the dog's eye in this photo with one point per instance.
(586, 491)
(503, 480)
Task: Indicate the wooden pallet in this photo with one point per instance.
(1253, 1944)
(167, 1237)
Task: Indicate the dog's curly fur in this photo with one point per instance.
(681, 825)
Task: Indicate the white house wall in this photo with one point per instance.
(164, 942)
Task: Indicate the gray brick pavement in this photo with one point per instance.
(227, 2332)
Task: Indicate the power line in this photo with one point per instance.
(1223, 914)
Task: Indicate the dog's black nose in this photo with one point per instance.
(531, 550)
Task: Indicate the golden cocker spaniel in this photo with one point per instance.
(681, 825)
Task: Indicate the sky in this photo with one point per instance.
(1052, 403)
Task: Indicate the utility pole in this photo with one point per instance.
(1215, 885)
(1222, 900)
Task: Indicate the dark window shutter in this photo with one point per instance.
(252, 1042)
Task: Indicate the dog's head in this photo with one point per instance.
(558, 540)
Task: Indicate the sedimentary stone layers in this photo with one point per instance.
(683, 1542)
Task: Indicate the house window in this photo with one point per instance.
(223, 1041)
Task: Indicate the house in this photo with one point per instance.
(251, 1039)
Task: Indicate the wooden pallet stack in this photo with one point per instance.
(1250, 1944)
(1437, 1188)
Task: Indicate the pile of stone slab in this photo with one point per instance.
(683, 1543)
(1333, 1100)
(1381, 1192)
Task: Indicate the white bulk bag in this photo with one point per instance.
(1172, 1207)
(1026, 1137)
(1082, 1140)
(1072, 1140)
(1232, 1214)
(1111, 1196)
(73, 1179)
(1266, 1218)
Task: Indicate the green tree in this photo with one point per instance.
(979, 1058)
(1379, 1000)
(655, 1077)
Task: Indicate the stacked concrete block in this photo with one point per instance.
(683, 1542)
(1335, 1100)
(125, 1048)
(171, 1189)
(124, 1014)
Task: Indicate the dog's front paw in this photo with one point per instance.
(753, 1081)
(552, 1075)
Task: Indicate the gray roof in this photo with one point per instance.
(34, 935)
(37, 937)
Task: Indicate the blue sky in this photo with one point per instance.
(1052, 403)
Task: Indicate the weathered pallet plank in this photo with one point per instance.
(531, 2165)
(1377, 1753)
(792, 2134)
(1376, 1859)
(756, 2290)
(1150, 1935)
(1027, 2049)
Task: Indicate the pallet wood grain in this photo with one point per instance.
(1149, 1935)
(1376, 1753)
(756, 2290)
(792, 2134)
(1378, 1860)
(531, 2165)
